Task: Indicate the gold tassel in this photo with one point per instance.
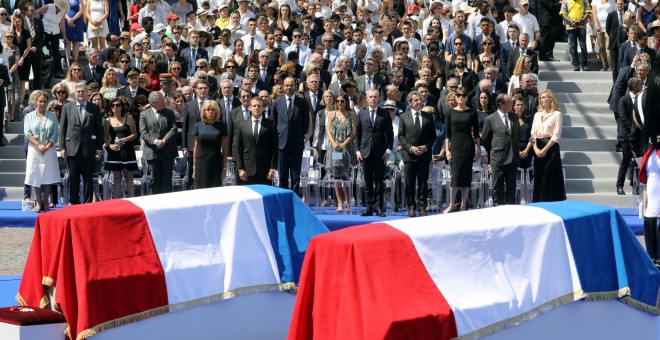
(47, 281)
(20, 300)
(44, 302)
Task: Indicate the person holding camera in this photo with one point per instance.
(576, 13)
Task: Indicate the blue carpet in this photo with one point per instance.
(8, 290)
(11, 215)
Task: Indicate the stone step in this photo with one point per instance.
(606, 171)
(610, 199)
(545, 75)
(15, 127)
(12, 152)
(11, 193)
(589, 132)
(589, 145)
(590, 185)
(582, 98)
(590, 158)
(12, 165)
(588, 120)
(586, 109)
(12, 179)
(13, 139)
(576, 87)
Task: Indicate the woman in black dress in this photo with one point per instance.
(461, 141)
(119, 134)
(546, 133)
(23, 40)
(210, 141)
(524, 132)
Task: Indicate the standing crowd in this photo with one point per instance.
(376, 84)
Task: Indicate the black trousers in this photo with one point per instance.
(52, 42)
(37, 57)
(504, 183)
(625, 164)
(80, 165)
(161, 172)
(289, 164)
(260, 177)
(614, 63)
(417, 176)
(651, 237)
(547, 42)
(374, 176)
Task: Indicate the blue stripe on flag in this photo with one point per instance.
(607, 254)
(291, 225)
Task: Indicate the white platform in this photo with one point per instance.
(586, 320)
(53, 331)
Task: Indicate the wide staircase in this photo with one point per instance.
(589, 130)
(12, 163)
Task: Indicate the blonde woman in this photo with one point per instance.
(175, 71)
(73, 78)
(110, 84)
(523, 66)
(546, 133)
(210, 143)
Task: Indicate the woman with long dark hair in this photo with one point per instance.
(119, 132)
(23, 40)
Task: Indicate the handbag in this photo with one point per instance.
(96, 28)
(542, 142)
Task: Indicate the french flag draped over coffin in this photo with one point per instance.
(120, 261)
(468, 274)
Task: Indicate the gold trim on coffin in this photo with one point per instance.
(622, 294)
(288, 287)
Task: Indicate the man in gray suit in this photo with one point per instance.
(81, 134)
(502, 128)
(370, 79)
(158, 130)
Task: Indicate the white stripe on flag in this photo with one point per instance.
(210, 241)
(495, 264)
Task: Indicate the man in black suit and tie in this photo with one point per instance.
(163, 64)
(624, 127)
(158, 131)
(630, 43)
(4, 82)
(93, 71)
(237, 116)
(374, 141)
(191, 54)
(486, 31)
(501, 129)
(522, 50)
(314, 99)
(266, 72)
(641, 47)
(371, 79)
(292, 119)
(416, 136)
(505, 50)
(256, 147)
(133, 89)
(36, 28)
(81, 134)
(191, 116)
(227, 100)
(613, 25)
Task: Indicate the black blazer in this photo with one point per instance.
(4, 76)
(87, 73)
(38, 42)
(639, 136)
(612, 28)
(291, 126)
(235, 102)
(376, 138)
(191, 116)
(256, 157)
(548, 12)
(126, 93)
(513, 58)
(625, 112)
(234, 121)
(630, 54)
(408, 136)
(503, 142)
(85, 137)
(623, 47)
(185, 55)
(620, 87)
(163, 67)
(270, 76)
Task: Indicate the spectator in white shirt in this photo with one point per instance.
(528, 23)
(252, 41)
(153, 11)
(377, 33)
(473, 28)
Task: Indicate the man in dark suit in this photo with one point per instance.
(505, 50)
(36, 26)
(496, 79)
(180, 43)
(236, 117)
(81, 134)
(624, 126)
(93, 71)
(163, 64)
(227, 100)
(613, 26)
(374, 141)
(266, 72)
(416, 136)
(466, 77)
(399, 64)
(191, 116)
(550, 24)
(133, 89)
(158, 131)
(292, 119)
(501, 130)
(191, 54)
(314, 99)
(256, 147)
(4, 82)
(641, 47)
(486, 31)
(522, 50)
(631, 42)
(371, 79)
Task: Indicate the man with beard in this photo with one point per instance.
(466, 77)
(530, 95)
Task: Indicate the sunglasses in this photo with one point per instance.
(9, 36)
(3, 14)
(146, 43)
(458, 44)
(328, 41)
(486, 43)
(175, 33)
(230, 66)
(76, 69)
(124, 61)
(278, 35)
(60, 92)
(486, 61)
(201, 66)
(339, 72)
(461, 95)
(340, 101)
(115, 105)
(175, 68)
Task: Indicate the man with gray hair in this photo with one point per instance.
(227, 100)
(158, 131)
(330, 53)
(81, 136)
(624, 126)
(93, 71)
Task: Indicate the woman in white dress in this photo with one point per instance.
(97, 26)
(42, 168)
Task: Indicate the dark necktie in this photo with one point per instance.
(246, 114)
(418, 123)
(327, 55)
(620, 18)
(32, 31)
(313, 97)
(251, 44)
(358, 65)
(289, 110)
(373, 117)
(256, 131)
(93, 71)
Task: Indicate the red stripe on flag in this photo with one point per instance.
(102, 261)
(338, 298)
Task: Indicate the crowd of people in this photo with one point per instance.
(376, 84)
